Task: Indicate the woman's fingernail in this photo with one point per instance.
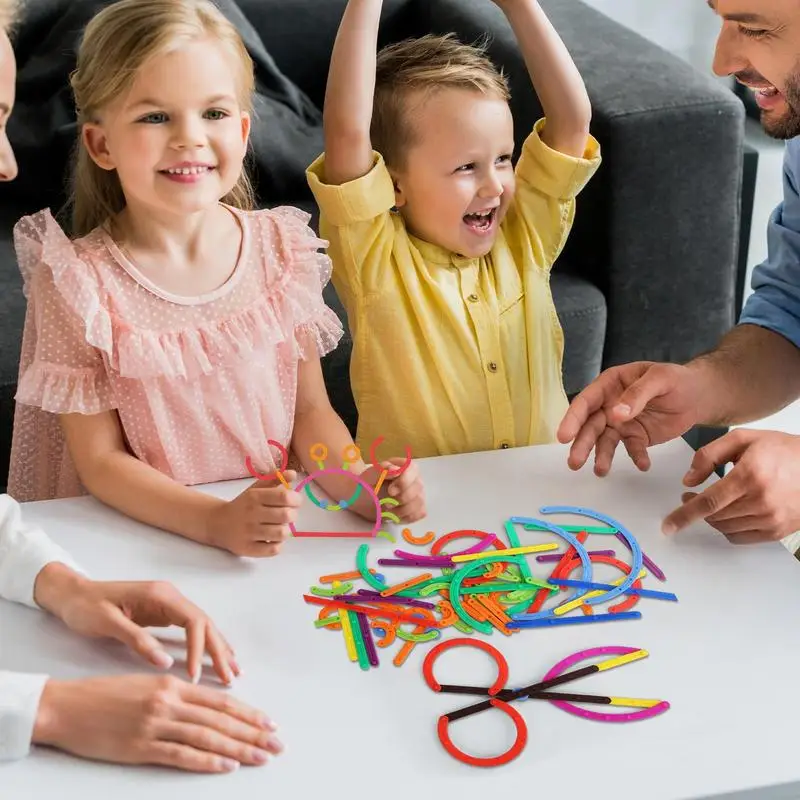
(668, 528)
(624, 411)
(162, 659)
(196, 675)
(229, 765)
(268, 724)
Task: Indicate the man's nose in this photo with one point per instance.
(727, 60)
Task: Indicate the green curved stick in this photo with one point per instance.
(361, 566)
(519, 596)
(455, 590)
(429, 587)
(345, 588)
(340, 506)
(428, 636)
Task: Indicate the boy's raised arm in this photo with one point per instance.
(349, 96)
(554, 75)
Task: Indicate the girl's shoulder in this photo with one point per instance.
(42, 245)
(286, 244)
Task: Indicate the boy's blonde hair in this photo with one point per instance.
(116, 44)
(9, 10)
(426, 64)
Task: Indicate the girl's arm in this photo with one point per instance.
(120, 480)
(554, 75)
(349, 96)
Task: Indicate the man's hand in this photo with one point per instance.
(641, 404)
(758, 500)
(138, 719)
(122, 611)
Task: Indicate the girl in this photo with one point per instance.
(180, 330)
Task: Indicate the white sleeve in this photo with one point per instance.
(19, 703)
(24, 552)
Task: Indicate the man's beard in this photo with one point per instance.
(787, 126)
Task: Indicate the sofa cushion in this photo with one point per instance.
(299, 34)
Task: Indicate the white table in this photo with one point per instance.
(726, 657)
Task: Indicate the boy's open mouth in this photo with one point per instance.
(482, 221)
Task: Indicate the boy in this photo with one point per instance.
(441, 249)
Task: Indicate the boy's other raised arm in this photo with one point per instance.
(349, 95)
(554, 75)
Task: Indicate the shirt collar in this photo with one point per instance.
(434, 254)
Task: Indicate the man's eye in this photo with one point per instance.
(216, 114)
(753, 33)
(466, 168)
(155, 118)
(505, 159)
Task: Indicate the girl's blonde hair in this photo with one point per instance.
(9, 10)
(116, 44)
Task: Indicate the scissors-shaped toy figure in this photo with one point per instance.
(501, 697)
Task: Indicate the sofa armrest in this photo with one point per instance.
(657, 228)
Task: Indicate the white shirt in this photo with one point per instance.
(24, 552)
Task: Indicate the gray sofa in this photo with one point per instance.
(649, 271)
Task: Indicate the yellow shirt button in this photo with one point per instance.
(492, 365)
(504, 445)
(473, 298)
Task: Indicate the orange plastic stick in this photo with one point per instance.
(358, 609)
(399, 587)
(343, 576)
(418, 540)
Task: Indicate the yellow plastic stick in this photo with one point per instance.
(347, 631)
(579, 601)
(634, 702)
(512, 551)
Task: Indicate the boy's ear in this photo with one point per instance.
(96, 144)
(399, 194)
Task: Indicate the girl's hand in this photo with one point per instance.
(407, 489)
(256, 523)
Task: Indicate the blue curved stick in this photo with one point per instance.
(636, 550)
(569, 539)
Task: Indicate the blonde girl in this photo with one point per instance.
(178, 330)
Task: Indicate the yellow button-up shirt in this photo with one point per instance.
(454, 354)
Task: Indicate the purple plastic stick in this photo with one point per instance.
(360, 598)
(366, 594)
(369, 642)
(645, 560)
(443, 561)
(552, 557)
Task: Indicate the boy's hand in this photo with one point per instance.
(256, 523)
(406, 488)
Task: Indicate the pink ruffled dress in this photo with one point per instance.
(199, 383)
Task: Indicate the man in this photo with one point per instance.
(136, 719)
(755, 370)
